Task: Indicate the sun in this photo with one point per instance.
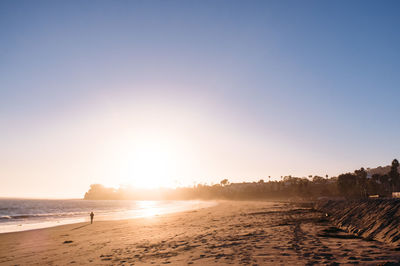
(148, 164)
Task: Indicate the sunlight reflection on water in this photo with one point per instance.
(148, 209)
(80, 212)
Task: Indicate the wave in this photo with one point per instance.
(45, 215)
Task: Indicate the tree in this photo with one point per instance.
(318, 179)
(224, 182)
(394, 175)
(374, 185)
(361, 178)
(347, 184)
(384, 180)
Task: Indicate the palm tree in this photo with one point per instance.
(394, 175)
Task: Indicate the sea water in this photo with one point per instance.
(27, 214)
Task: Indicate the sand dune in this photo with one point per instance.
(248, 233)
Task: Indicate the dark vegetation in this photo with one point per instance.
(359, 184)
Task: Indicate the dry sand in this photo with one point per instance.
(249, 233)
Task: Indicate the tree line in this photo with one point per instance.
(359, 184)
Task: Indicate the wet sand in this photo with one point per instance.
(248, 233)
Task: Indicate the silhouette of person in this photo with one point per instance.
(91, 217)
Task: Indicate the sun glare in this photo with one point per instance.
(147, 164)
(148, 209)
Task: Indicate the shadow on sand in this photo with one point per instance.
(79, 227)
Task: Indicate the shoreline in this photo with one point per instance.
(139, 212)
(262, 233)
(84, 223)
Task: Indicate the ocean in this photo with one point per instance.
(27, 214)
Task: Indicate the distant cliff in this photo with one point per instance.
(377, 219)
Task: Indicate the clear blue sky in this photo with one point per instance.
(253, 88)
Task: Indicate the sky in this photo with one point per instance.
(176, 93)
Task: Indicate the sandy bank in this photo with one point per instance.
(248, 233)
(377, 219)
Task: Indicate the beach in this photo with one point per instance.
(27, 214)
(248, 233)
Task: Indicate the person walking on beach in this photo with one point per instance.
(91, 217)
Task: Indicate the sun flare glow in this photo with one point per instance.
(148, 209)
(148, 164)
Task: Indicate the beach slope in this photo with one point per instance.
(249, 233)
